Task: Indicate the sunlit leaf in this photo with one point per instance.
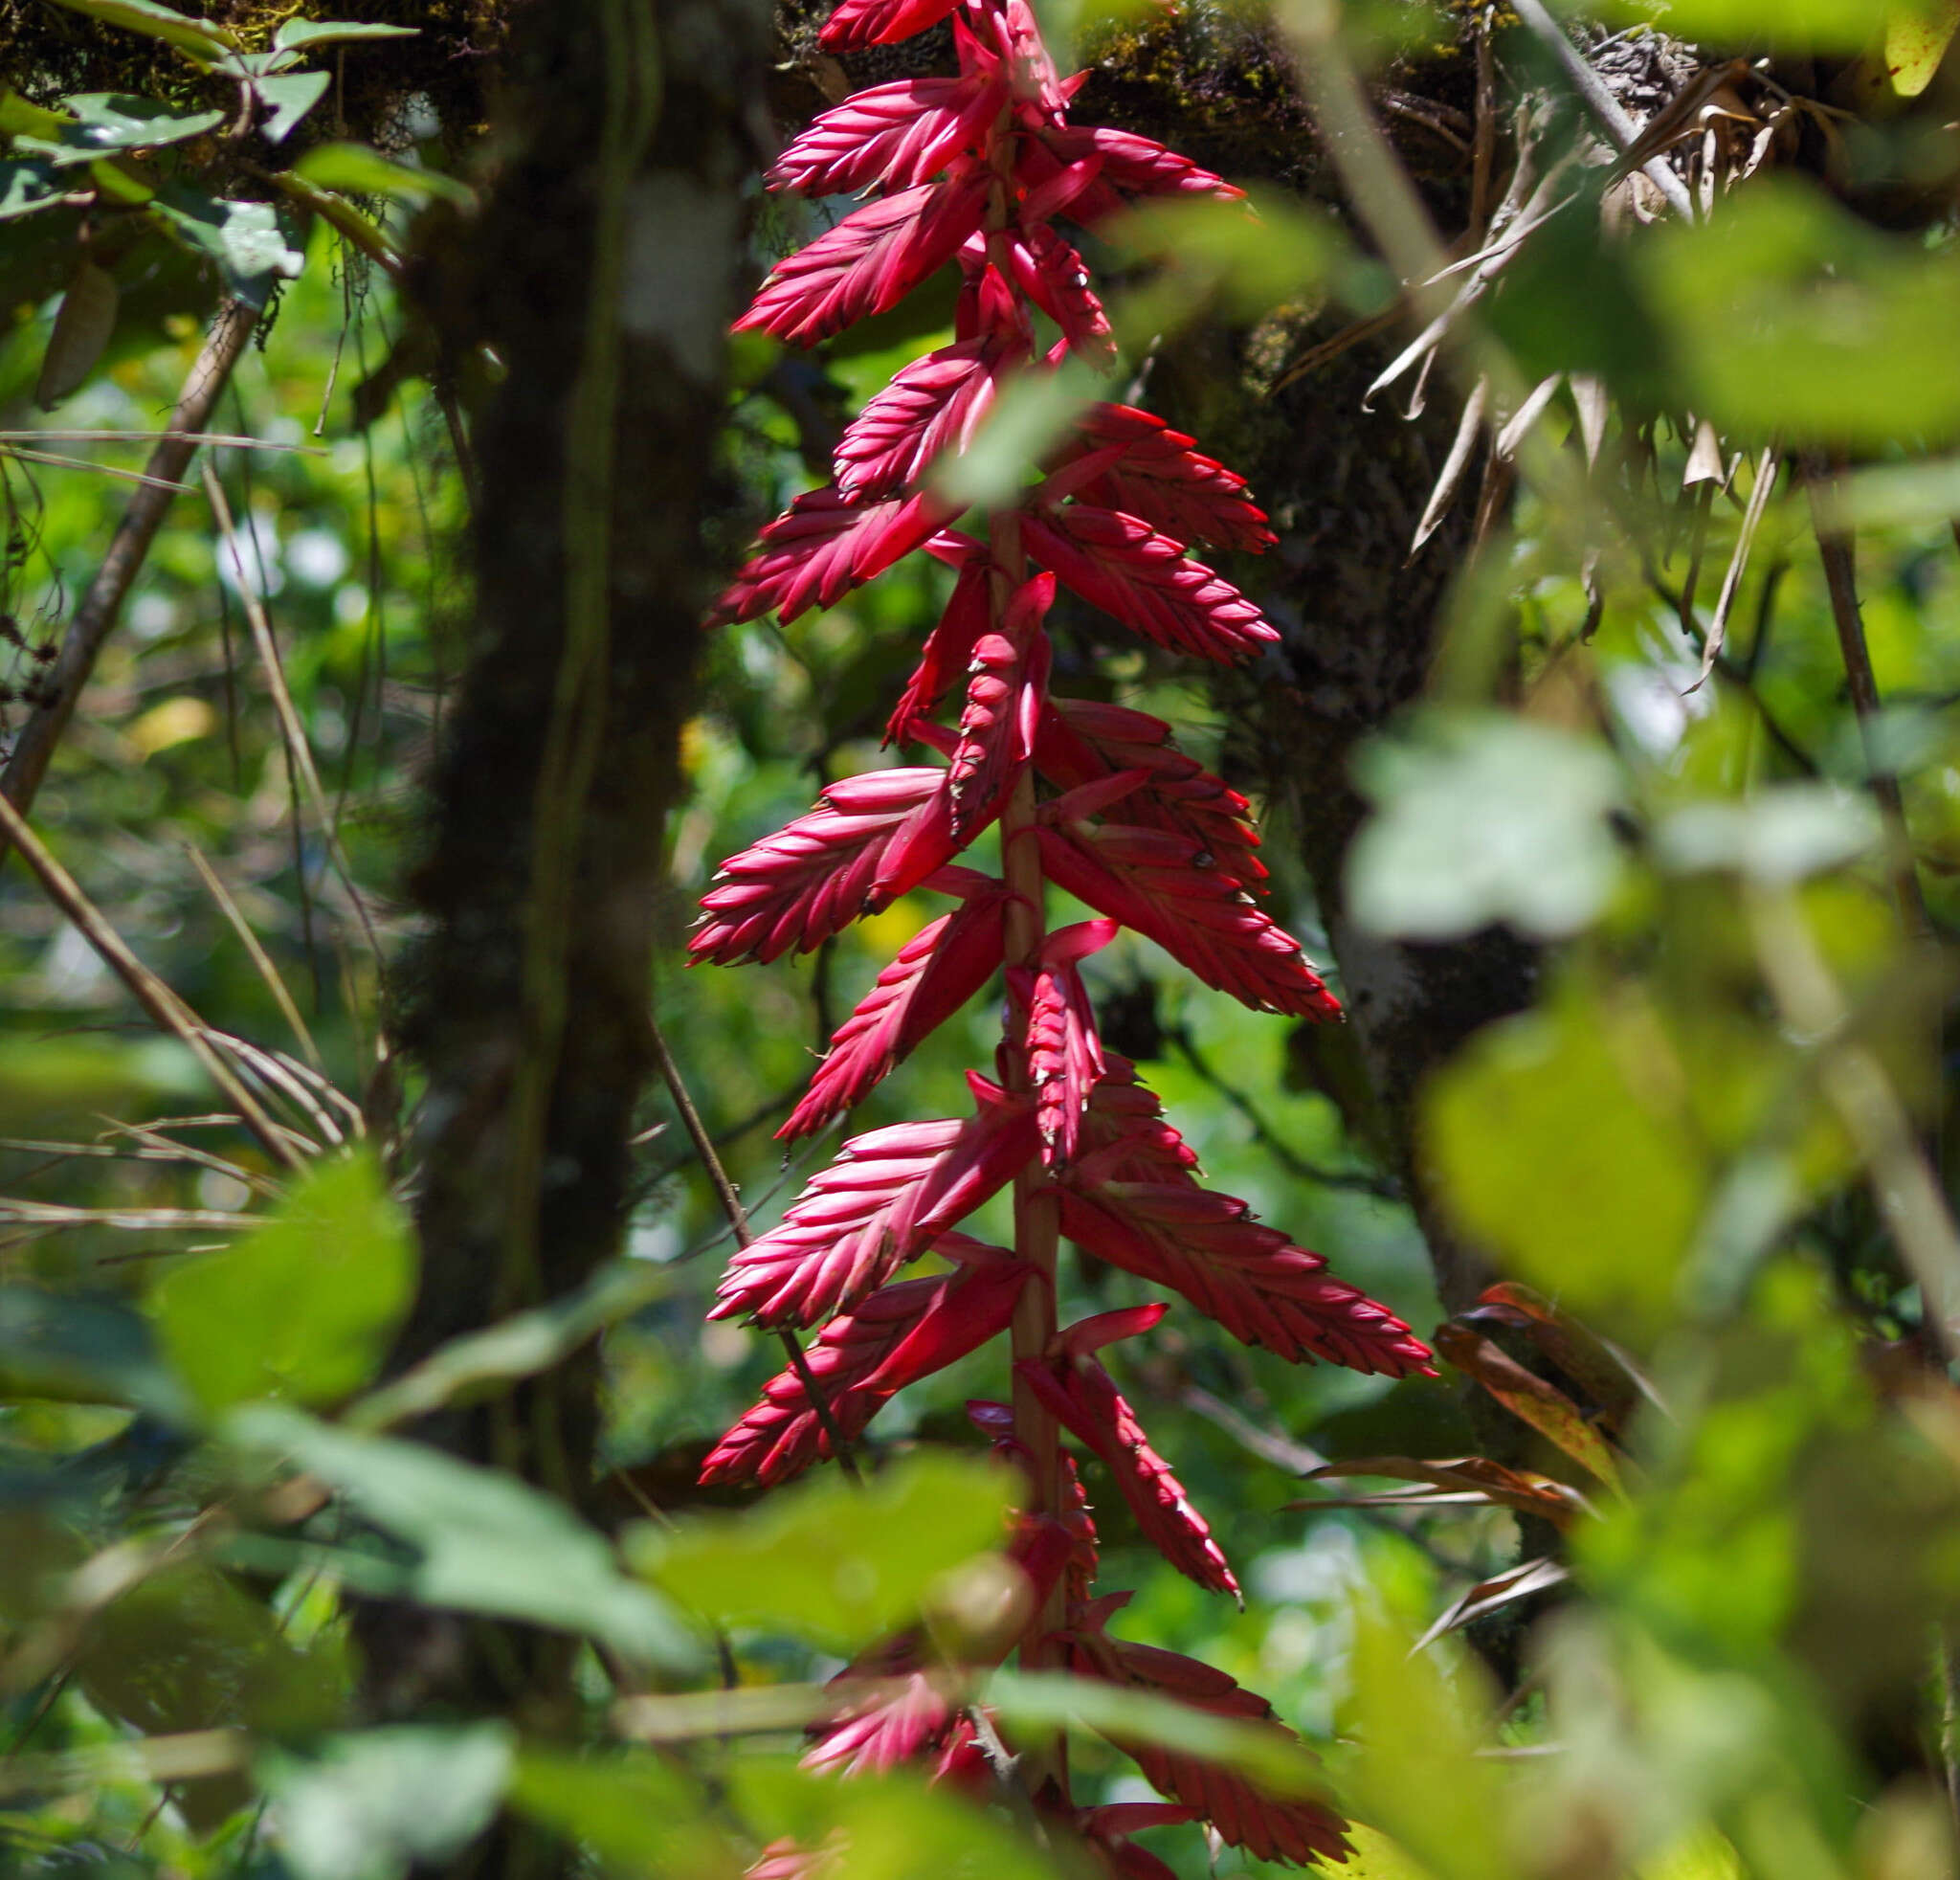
(114, 121)
(293, 33)
(830, 1560)
(291, 97)
(27, 184)
(1560, 1147)
(365, 1806)
(1411, 1766)
(1483, 819)
(1776, 837)
(304, 1306)
(202, 38)
(360, 172)
(244, 238)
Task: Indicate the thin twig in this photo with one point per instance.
(1856, 1084)
(1836, 550)
(96, 617)
(162, 1005)
(267, 972)
(299, 751)
(1269, 1138)
(1766, 468)
(738, 1221)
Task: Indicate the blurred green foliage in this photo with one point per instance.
(1747, 1672)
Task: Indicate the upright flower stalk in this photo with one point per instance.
(977, 169)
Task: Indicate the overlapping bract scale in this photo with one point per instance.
(1085, 741)
(1163, 479)
(822, 548)
(1129, 165)
(1064, 1054)
(1052, 275)
(857, 23)
(1169, 888)
(930, 410)
(1132, 1200)
(1084, 1398)
(862, 1359)
(936, 973)
(1123, 565)
(868, 264)
(869, 839)
(1007, 685)
(885, 1198)
(898, 135)
(1267, 1827)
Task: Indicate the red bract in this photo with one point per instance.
(943, 965)
(1170, 888)
(1268, 1827)
(1161, 478)
(864, 1357)
(1084, 1400)
(824, 545)
(885, 1198)
(892, 134)
(870, 839)
(868, 264)
(970, 173)
(1127, 569)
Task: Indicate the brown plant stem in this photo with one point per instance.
(1837, 551)
(101, 606)
(163, 1006)
(738, 1221)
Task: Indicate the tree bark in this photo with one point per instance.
(603, 274)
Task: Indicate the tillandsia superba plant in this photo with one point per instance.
(977, 169)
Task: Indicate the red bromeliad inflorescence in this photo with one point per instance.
(1093, 798)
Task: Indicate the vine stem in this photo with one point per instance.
(224, 344)
(738, 1221)
(1038, 1223)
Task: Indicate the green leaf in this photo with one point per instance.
(517, 1347)
(201, 38)
(357, 170)
(828, 1561)
(486, 1541)
(1787, 24)
(22, 118)
(82, 1350)
(29, 185)
(1788, 314)
(1778, 836)
(242, 237)
(1051, 1700)
(1411, 1732)
(1560, 1144)
(1483, 817)
(293, 34)
(304, 1306)
(115, 120)
(638, 1814)
(367, 1805)
(290, 98)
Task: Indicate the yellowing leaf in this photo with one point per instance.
(1916, 41)
(176, 720)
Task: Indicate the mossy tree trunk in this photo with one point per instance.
(603, 274)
